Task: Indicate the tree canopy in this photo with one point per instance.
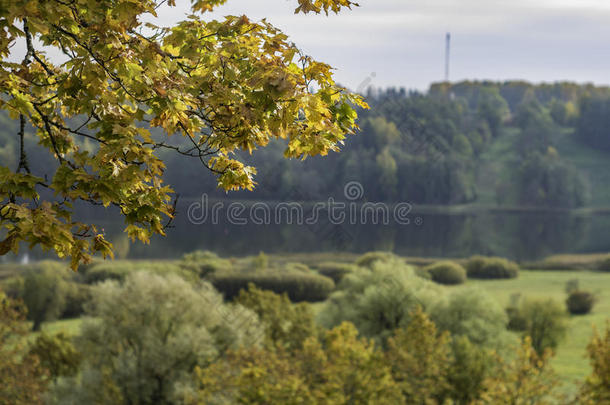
(125, 87)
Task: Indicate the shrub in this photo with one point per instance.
(527, 378)
(120, 269)
(339, 368)
(13, 286)
(604, 264)
(470, 367)
(57, 354)
(299, 286)
(334, 270)
(472, 313)
(287, 325)
(580, 302)
(44, 291)
(543, 320)
(296, 267)
(77, 295)
(368, 259)
(491, 268)
(423, 273)
(419, 358)
(447, 272)
(596, 387)
(24, 381)
(205, 263)
(379, 300)
(260, 262)
(516, 320)
(145, 336)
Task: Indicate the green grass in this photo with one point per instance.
(70, 327)
(570, 361)
(592, 163)
(496, 161)
(493, 165)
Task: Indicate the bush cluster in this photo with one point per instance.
(491, 268)
(446, 272)
(368, 259)
(205, 263)
(334, 270)
(299, 286)
(604, 264)
(50, 291)
(580, 302)
(120, 269)
(543, 320)
(296, 267)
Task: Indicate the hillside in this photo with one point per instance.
(494, 144)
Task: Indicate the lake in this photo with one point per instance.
(440, 232)
(518, 235)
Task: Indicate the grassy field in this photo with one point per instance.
(68, 326)
(493, 165)
(570, 361)
(592, 163)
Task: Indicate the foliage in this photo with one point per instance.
(297, 285)
(23, 378)
(146, 336)
(580, 302)
(604, 264)
(77, 296)
(543, 180)
(296, 267)
(45, 290)
(287, 325)
(472, 313)
(446, 272)
(543, 320)
(205, 263)
(12, 286)
(223, 86)
(470, 367)
(593, 122)
(49, 288)
(563, 113)
(596, 388)
(121, 269)
(57, 354)
(340, 369)
(370, 258)
(491, 268)
(351, 369)
(333, 270)
(261, 262)
(493, 108)
(527, 379)
(420, 359)
(254, 376)
(379, 300)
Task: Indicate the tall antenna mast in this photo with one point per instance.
(447, 55)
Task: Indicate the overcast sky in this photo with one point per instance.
(402, 42)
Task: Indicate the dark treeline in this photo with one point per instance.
(427, 148)
(432, 148)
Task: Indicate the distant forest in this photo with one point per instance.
(506, 144)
